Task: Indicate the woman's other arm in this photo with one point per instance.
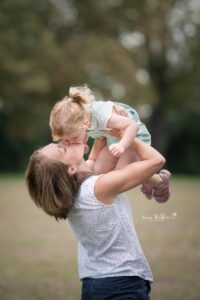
(115, 182)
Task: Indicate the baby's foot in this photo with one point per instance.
(162, 193)
(147, 190)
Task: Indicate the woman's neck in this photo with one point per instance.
(83, 172)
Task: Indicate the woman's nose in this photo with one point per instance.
(65, 142)
(72, 140)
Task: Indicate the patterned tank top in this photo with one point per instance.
(108, 245)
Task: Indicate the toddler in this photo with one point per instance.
(79, 115)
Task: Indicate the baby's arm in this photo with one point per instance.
(97, 147)
(130, 129)
(99, 144)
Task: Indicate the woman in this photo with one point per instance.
(111, 262)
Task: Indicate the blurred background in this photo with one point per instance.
(145, 53)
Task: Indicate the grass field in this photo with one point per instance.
(38, 255)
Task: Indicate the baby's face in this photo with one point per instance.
(77, 136)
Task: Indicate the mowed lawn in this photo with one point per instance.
(38, 255)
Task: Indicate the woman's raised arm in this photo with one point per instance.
(115, 182)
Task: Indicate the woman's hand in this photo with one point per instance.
(117, 109)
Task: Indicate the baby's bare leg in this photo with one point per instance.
(126, 158)
(105, 161)
(157, 186)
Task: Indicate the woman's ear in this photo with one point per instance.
(72, 170)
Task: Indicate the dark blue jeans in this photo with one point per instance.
(116, 288)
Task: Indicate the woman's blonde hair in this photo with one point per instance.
(50, 186)
(67, 115)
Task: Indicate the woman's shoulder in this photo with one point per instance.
(88, 197)
(88, 183)
(103, 190)
(85, 194)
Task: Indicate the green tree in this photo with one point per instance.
(143, 52)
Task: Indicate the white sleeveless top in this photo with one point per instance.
(108, 245)
(101, 113)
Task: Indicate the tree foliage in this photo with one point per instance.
(145, 53)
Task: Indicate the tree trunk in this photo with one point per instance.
(157, 128)
(157, 122)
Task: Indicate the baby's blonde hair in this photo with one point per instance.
(67, 115)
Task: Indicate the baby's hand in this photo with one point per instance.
(116, 149)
